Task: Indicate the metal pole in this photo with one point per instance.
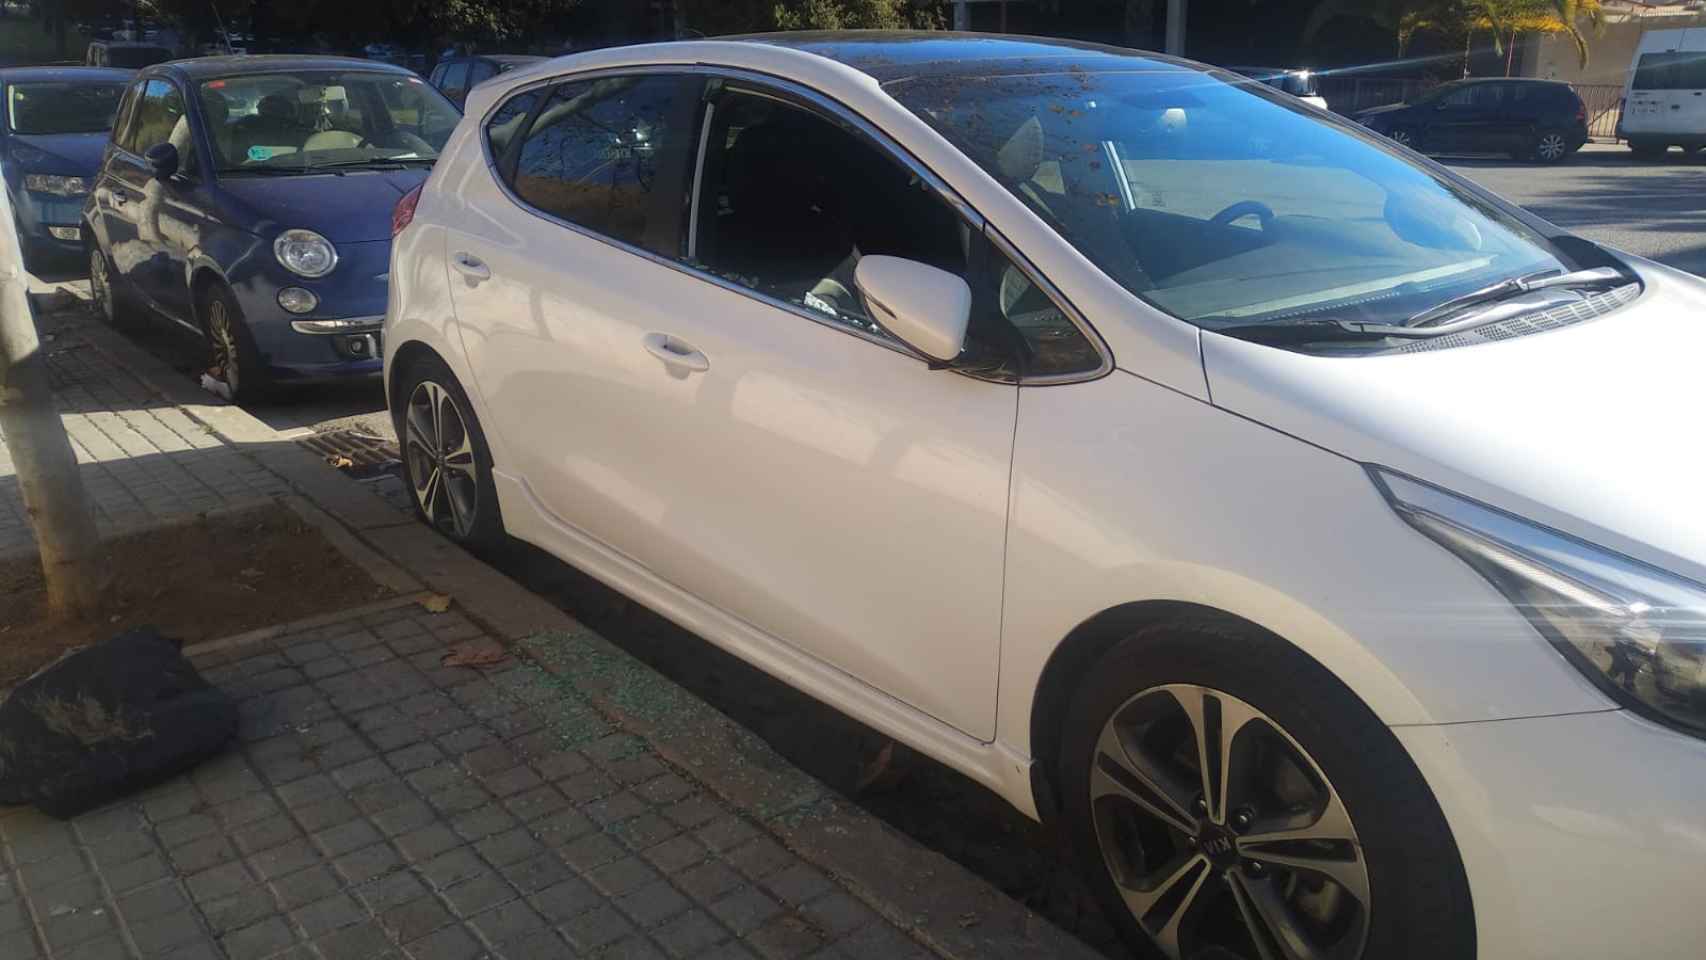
(54, 499)
(1176, 27)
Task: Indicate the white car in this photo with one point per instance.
(1315, 535)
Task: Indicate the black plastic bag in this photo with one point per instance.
(108, 719)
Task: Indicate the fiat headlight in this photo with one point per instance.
(305, 253)
(56, 185)
(1637, 632)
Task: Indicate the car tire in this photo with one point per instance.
(1646, 150)
(232, 355)
(1551, 146)
(1327, 753)
(112, 305)
(447, 463)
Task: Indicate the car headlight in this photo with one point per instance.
(1637, 632)
(305, 253)
(55, 184)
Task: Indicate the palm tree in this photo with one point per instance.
(1571, 13)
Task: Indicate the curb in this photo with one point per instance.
(922, 892)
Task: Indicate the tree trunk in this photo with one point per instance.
(54, 499)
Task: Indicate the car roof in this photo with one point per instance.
(22, 74)
(515, 58)
(149, 44)
(890, 55)
(225, 66)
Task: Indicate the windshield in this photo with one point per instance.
(297, 122)
(41, 109)
(1223, 203)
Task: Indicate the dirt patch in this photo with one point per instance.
(202, 580)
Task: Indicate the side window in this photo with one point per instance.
(1459, 98)
(612, 155)
(790, 200)
(455, 79)
(507, 119)
(1488, 96)
(479, 72)
(437, 76)
(124, 126)
(160, 118)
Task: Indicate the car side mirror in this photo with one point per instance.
(925, 308)
(162, 160)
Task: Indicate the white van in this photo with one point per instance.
(1665, 102)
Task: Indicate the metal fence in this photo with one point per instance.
(1604, 102)
(1347, 95)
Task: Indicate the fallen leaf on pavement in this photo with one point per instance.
(436, 603)
(340, 461)
(475, 653)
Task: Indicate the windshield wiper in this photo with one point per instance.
(1277, 333)
(1515, 286)
(394, 163)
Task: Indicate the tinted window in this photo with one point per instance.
(481, 71)
(455, 77)
(1671, 71)
(1475, 96)
(791, 200)
(611, 155)
(500, 130)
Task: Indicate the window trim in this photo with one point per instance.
(191, 114)
(783, 89)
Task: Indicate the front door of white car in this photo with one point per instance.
(719, 417)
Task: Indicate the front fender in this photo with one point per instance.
(1126, 491)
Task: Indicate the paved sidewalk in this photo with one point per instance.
(382, 805)
(141, 458)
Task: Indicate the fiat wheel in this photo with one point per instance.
(232, 357)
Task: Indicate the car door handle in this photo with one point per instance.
(676, 354)
(471, 267)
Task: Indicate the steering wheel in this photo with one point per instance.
(1242, 209)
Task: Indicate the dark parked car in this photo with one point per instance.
(1527, 119)
(455, 76)
(249, 199)
(53, 127)
(126, 54)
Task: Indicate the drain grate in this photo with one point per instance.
(363, 456)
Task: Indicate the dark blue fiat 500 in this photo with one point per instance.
(249, 200)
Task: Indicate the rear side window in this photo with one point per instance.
(479, 72)
(124, 125)
(611, 155)
(501, 129)
(455, 77)
(1682, 70)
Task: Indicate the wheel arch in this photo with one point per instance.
(406, 355)
(203, 277)
(1080, 651)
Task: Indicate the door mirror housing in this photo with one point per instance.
(162, 160)
(925, 308)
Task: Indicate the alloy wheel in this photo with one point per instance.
(100, 285)
(1551, 147)
(1401, 137)
(441, 460)
(222, 339)
(1219, 831)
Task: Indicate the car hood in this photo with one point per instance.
(1592, 428)
(344, 208)
(70, 154)
(1377, 111)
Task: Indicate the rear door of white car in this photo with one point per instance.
(695, 385)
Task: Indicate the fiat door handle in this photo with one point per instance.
(471, 267)
(676, 354)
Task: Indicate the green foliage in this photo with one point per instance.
(717, 17)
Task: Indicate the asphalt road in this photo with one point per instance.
(1653, 209)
